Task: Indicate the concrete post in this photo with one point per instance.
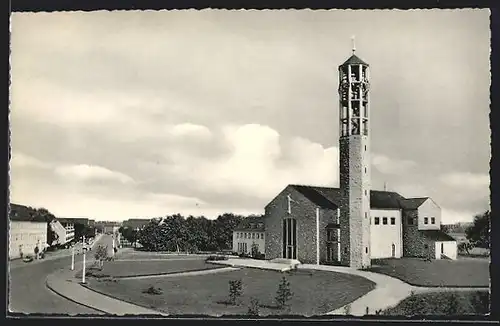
(317, 236)
(83, 271)
(73, 257)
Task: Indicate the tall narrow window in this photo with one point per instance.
(433, 220)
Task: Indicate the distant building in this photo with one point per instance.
(26, 231)
(68, 234)
(249, 232)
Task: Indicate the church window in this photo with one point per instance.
(384, 220)
(426, 220)
(253, 235)
(393, 221)
(345, 250)
(366, 249)
(365, 169)
(365, 148)
(410, 220)
(366, 215)
(262, 236)
(366, 193)
(433, 220)
(377, 220)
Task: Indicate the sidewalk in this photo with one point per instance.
(64, 283)
(253, 263)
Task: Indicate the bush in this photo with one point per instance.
(153, 291)
(253, 308)
(283, 295)
(443, 303)
(215, 258)
(244, 255)
(235, 291)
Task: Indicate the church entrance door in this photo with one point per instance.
(289, 237)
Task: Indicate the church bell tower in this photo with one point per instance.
(354, 162)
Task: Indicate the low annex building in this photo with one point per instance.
(250, 232)
(302, 223)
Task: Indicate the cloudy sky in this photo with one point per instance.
(137, 114)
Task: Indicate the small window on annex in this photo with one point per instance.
(426, 220)
(433, 220)
(384, 221)
(393, 221)
(377, 220)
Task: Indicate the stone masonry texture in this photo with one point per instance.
(414, 243)
(304, 211)
(354, 184)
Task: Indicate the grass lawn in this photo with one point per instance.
(452, 303)
(315, 292)
(119, 268)
(451, 273)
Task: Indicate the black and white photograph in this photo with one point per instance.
(250, 163)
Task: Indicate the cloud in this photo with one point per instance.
(449, 216)
(191, 130)
(20, 160)
(86, 172)
(388, 165)
(469, 180)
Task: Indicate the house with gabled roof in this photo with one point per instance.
(249, 232)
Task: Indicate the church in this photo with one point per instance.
(353, 224)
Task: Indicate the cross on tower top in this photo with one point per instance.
(353, 38)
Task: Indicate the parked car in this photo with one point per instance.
(27, 259)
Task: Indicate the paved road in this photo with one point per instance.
(28, 293)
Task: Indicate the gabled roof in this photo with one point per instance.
(413, 203)
(330, 197)
(251, 223)
(323, 197)
(436, 235)
(354, 60)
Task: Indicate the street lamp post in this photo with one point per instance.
(113, 246)
(83, 271)
(73, 257)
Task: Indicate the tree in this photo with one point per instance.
(479, 232)
(255, 250)
(253, 308)
(235, 291)
(223, 229)
(101, 254)
(283, 295)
